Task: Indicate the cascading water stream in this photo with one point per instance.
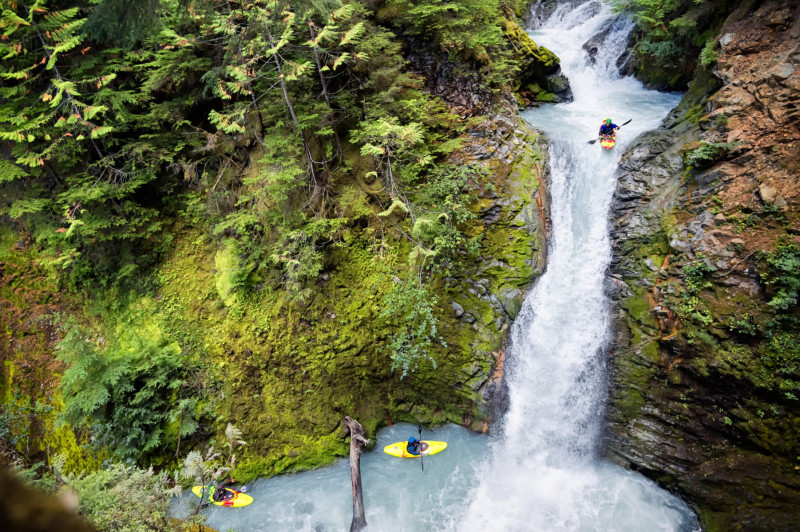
(544, 473)
(542, 470)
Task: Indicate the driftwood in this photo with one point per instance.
(357, 440)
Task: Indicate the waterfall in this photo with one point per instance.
(545, 471)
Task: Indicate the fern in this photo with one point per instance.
(123, 387)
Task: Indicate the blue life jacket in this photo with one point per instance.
(607, 130)
(412, 446)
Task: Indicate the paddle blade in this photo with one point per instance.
(421, 463)
(592, 141)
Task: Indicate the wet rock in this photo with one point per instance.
(559, 86)
(726, 39)
(539, 12)
(781, 18)
(540, 78)
(446, 77)
(511, 301)
(492, 214)
(458, 310)
(598, 41)
(783, 71)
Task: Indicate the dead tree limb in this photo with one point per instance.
(357, 440)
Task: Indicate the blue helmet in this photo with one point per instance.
(412, 439)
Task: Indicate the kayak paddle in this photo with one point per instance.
(420, 448)
(619, 126)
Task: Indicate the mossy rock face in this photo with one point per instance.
(529, 51)
(29, 297)
(288, 372)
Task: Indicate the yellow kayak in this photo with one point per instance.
(607, 141)
(428, 447)
(233, 499)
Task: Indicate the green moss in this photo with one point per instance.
(630, 399)
(525, 46)
(227, 277)
(537, 63)
(637, 305)
(651, 352)
(712, 521)
(25, 282)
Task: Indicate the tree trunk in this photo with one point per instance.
(325, 89)
(290, 107)
(180, 428)
(357, 440)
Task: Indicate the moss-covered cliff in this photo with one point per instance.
(705, 367)
(289, 372)
(286, 368)
(286, 372)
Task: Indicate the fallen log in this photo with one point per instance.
(357, 441)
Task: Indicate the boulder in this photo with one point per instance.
(540, 74)
(767, 193)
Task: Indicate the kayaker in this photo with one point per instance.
(608, 127)
(221, 494)
(414, 446)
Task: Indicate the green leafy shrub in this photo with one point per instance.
(672, 33)
(783, 277)
(744, 324)
(694, 275)
(230, 276)
(410, 307)
(116, 497)
(689, 305)
(124, 388)
(707, 153)
(469, 29)
(446, 196)
(708, 55)
(124, 498)
(781, 359)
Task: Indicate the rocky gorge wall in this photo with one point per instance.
(705, 364)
